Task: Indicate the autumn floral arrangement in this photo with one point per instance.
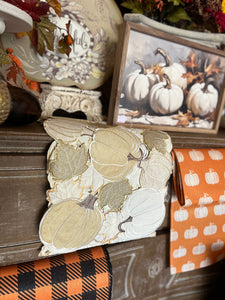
(42, 34)
(198, 15)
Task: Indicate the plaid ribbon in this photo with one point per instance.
(81, 275)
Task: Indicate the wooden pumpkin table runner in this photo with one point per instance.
(107, 184)
(197, 209)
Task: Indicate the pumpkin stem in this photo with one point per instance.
(141, 158)
(168, 81)
(143, 69)
(205, 88)
(164, 54)
(129, 219)
(89, 202)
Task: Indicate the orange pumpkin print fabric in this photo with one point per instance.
(197, 237)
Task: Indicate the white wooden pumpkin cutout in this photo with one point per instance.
(143, 212)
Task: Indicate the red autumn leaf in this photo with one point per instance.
(34, 8)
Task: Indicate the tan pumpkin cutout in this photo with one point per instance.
(157, 139)
(70, 224)
(156, 170)
(114, 152)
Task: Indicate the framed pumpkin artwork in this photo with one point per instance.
(165, 82)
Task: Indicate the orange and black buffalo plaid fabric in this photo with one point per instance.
(81, 275)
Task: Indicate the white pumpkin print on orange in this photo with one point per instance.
(199, 225)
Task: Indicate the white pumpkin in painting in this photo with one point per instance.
(201, 212)
(212, 177)
(191, 233)
(166, 97)
(143, 212)
(210, 229)
(218, 245)
(191, 179)
(202, 99)
(138, 85)
(215, 154)
(196, 155)
(189, 266)
(206, 199)
(219, 209)
(175, 70)
(199, 249)
(180, 252)
(181, 215)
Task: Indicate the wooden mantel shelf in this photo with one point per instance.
(37, 138)
(141, 268)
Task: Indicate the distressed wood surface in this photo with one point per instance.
(140, 268)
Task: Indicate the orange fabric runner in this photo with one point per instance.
(198, 227)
